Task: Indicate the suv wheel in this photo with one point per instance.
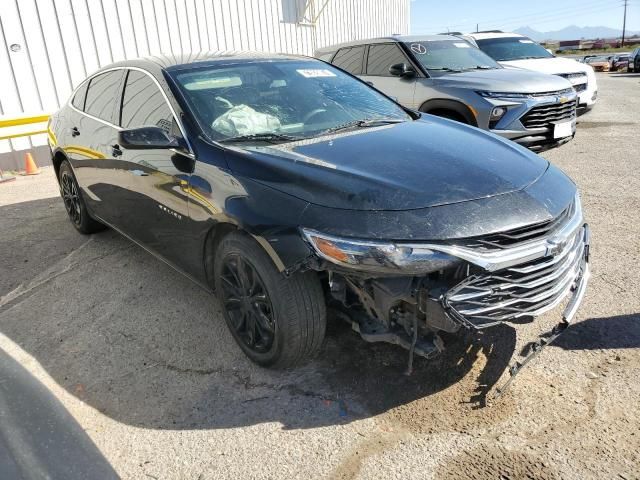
(74, 203)
(277, 321)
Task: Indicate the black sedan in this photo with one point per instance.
(288, 187)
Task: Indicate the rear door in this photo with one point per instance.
(153, 183)
(379, 58)
(92, 133)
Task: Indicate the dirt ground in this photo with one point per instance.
(142, 359)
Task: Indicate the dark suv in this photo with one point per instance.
(634, 61)
(289, 187)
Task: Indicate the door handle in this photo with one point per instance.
(115, 150)
(138, 173)
(75, 132)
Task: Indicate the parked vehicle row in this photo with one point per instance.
(289, 187)
(447, 76)
(515, 50)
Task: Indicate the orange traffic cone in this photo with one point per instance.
(30, 167)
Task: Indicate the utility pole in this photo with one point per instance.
(477, 28)
(624, 22)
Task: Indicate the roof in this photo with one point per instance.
(393, 38)
(482, 36)
(157, 63)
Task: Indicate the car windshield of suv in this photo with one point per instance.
(512, 48)
(280, 101)
(440, 57)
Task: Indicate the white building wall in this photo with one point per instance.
(48, 46)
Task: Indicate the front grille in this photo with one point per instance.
(555, 93)
(529, 289)
(546, 115)
(518, 236)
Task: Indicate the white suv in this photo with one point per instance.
(515, 50)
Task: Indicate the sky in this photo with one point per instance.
(435, 16)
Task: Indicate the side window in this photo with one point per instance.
(102, 93)
(349, 59)
(143, 104)
(381, 57)
(78, 98)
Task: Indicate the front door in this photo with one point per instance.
(381, 56)
(153, 182)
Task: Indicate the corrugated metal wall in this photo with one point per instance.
(48, 46)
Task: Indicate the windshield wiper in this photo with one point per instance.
(371, 122)
(445, 69)
(261, 137)
(482, 67)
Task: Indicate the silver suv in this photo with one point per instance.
(447, 76)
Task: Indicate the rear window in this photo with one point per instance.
(102, 95)
(350, 59)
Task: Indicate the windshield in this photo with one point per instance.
(450, 56)
(512, 48)
(281, 100)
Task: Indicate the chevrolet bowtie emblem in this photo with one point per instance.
(563, 99)
(554, 247)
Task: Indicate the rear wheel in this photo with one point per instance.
(74, 203)
(277, 321)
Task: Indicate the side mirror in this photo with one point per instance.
(402, 70)
(146, 138)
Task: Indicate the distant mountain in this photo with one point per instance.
(572, 32)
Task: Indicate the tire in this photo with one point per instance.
(450, 115)
(294, 308)
(74, 203)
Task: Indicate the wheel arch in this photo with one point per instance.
(57, 158)
(455, 106)
(218, 232)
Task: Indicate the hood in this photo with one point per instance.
(552, 66)
(504, 80)
(415, 164)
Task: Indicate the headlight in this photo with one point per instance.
(381, 257)
(503, 95)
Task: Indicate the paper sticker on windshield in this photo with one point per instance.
(462, 44)
(316, 72)
(525, 41)
(418, 48)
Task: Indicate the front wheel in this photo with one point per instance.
(277, 321)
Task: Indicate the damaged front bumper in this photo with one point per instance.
(406, 294)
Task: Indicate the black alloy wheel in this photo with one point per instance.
(277, 320)
(74, 203)
(71, 197)
(250, 314)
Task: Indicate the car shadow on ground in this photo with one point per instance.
(618, 332)
(137, 341)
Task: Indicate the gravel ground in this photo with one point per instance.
(141, 358)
